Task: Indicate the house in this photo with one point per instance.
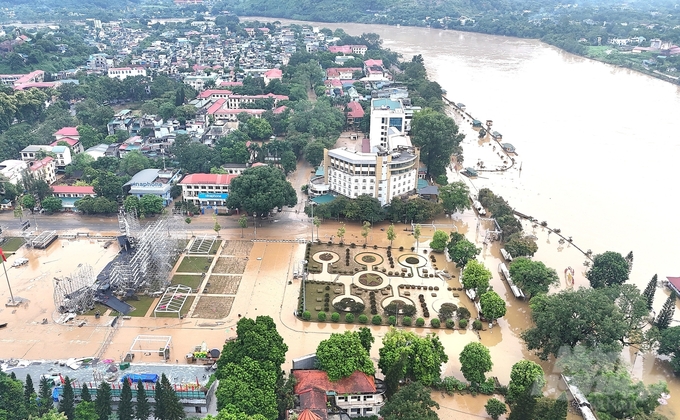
(122, 121)
(71, 136)
(374, 70)
(358, 395)
(430, 193)
(44, 169)
(272, 74)
(70, 194)
(62, 156)
(355, 114)
(12, 170)
(36, 76)
(124, 72)
(207, 190)
(33, 152)
(152, 182)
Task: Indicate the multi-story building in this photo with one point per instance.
(70, 136)
(44, 169)
(206, 190)
(152, 182)
(385, 166)
(12, 170)
(124, 72)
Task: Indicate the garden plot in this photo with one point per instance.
(237, 248)
(230, 265)
(213, 307)
(222, 285)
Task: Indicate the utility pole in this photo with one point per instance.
(12, 301)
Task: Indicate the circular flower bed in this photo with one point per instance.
(412, 260)
(326, 256)
(368, 258)
(370, 279)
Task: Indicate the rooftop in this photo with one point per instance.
(386, 103)
(67, 131)
(68, 189)
(208, 179)
(356, 383)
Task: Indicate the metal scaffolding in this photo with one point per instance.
(75, 293)
(147, 268)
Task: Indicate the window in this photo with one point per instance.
(341, 399)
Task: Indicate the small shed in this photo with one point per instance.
(509, 148)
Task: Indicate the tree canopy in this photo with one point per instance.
(475, 361)
(455, 197)
(439, 241)
(418, 358)
(493, 306)
(563, 320)
(461, 250)
(343, 354)
(533, 277)
(608, 269)
(259, 190)
(437, 136)
(476, 276)
(412, 402)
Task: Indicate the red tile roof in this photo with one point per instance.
(273, 74)
(356, 383)
(208, 179)
(313, 399)
(67, 189)
(39, 164)
(69, 140)
(216, 106)
(308, 415)
(67, 131)
(210, 92)
(373, 62)
(355, 110)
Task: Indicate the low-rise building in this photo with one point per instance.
(152, 182)
(12, 170)
(70, 136)
(125, 72)
(358, 395)
(206, 190)
(70, 194)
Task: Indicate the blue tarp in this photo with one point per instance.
(55, 394)
(144, 377)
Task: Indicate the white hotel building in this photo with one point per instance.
(384, 166)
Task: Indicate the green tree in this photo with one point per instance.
(455, 197)
(173, 409)
(533, 277)
(412, 402)
(243, 223)
(67, 404)
(475, 361)
(51, 204)
(250, 386)
(495, 408)
(86, 410)
(12, 401)
(649, 292)
(217, 227)
(343, 354)
(365, 230)
(526, 378)
(85, 394)
(341, 232)
(29, 390)
(28, 202)
(663, 320)
(259, 190)
(142, 406)
(608, 269)
(45, 394)
(288, 161)
(89, 137)
(102, 402)
(134, 162)
(366, 338)
(258, 129)
(461, 250)
(108, 185)
(150, 205)
(416, 234)
(419, 358)
(316, 222)
(391, 234)
(437, 136)
(125, 407)
(585, 316)
(439, 241)
(520, 246)
(131, 204)
(669, 344)
(476, 276)
(314, 152)
(493, 306)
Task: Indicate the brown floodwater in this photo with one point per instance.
(597, 146)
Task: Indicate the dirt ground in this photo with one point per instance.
(222, 285)
(237, 248)
(213, 307)
(230, 265)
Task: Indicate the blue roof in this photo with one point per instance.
(422, 183)
(319, 171)
(59, 149)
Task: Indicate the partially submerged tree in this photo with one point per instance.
(343, 354)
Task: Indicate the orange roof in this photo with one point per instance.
(72, 189)
(308, 415)
(356, 383)
(208, 179)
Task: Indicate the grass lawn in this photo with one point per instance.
(215, 247)
(141, 306)
(188, 280)
(11, 245)
(97, 307)
(183, 312)
(194, 265)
